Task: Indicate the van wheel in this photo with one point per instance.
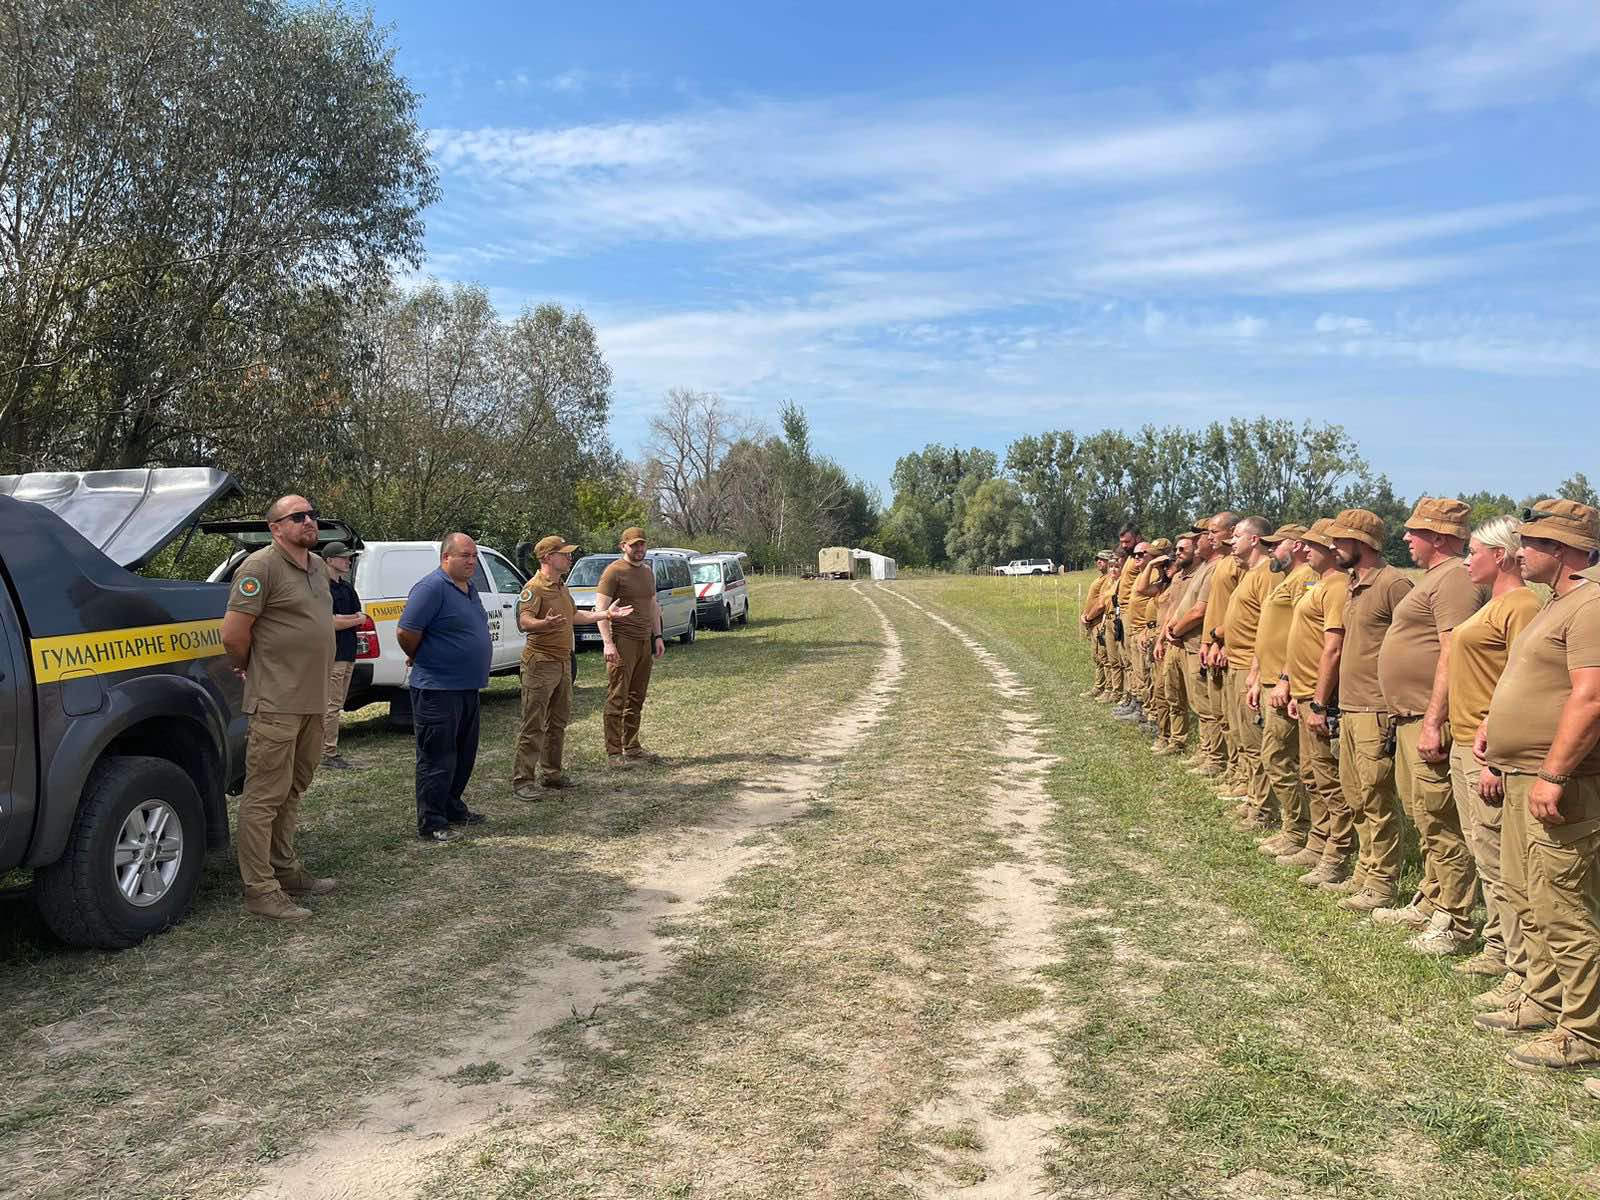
(132, 860)
(744, 617)
(688, 634)
(726, 621)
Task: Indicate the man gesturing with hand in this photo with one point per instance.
(633, 642)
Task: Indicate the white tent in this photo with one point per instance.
(882, 565)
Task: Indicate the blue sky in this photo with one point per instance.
(963, 223)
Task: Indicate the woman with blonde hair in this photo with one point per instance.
(1478, 651)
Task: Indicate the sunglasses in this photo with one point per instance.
(295, 518)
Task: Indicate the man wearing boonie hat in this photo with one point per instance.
(546, 613)
(1280, 736)
(1149, 590)
(632, 644)
(1541, 735)
(1120, 649)
(1136, 611)
(1239, 630)
(1366, 748)
(1169, 649)
(1093, 622)
(347, 618)
(1414, 675)
(1309, 693)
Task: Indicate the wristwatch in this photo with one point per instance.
(1319, 709)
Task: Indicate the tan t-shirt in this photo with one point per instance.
(1130, 572)
(1372, 604)
(543, 598)
(1478, 650)
(1277, 611)
(1141, 610)
(291, 643)
(1244, 614)
(1165, 600)
(624, 583)
(1224, 578)
(1563, 637)
(1319, 611)
(1194, 593)
(1094, 599)
(1443, 598)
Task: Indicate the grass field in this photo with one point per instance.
(900, 916)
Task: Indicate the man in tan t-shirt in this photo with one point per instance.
(278, 630)
(1541, 735)
(546, 613)
(1224, 578)
(1092, 622)
(1185, 629)
(1121, 649)
(1169, 649)
(1310, 695)
(1366, 748)
(1280, 736)
(632, 644)
(1238, 643)
(1414, 675)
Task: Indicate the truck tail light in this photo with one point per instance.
(366, 639)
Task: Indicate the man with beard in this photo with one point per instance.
(1127, 573)
(1136, 612)
(1366, 739)
(1148, 592)
(632, 644)
(1189, 614)
(1093, 622)
(1238, 647)
(1169, 649)
(1280, 736)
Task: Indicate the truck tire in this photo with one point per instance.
(133, 857)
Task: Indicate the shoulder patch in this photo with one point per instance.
(527, 594)
(248, 585)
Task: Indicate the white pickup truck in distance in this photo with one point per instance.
(1027, 566)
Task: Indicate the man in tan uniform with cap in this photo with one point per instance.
(1310, 696)
(1238, 642)
(1280, 736)
(1543, 736)
(1188, 630)
(1122, 648)
(1414, 675)
(1169, 648)
(1157, 583)
(1092, 620)
(1224, 578)
(1136, 611)
(546, 613)
(632, 644)
(278, 630)
(1366, 745)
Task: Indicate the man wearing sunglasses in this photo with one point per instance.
(278, 630)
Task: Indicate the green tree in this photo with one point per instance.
(1045, 468)
(935, 481)
(1577, 488)
(995, 526)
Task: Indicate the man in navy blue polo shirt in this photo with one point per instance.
(445, 635)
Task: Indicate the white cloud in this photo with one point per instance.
(1333, 323)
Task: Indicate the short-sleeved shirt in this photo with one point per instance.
(291, 642)
(547, 598)
(1165, 600)
(1244, 613)
(1199, 583)
(1478, 651)
(1224, 579)
(624, 583)
(1277, 610)
(1318, 612)
(1130, 572)
(1141, 610)
(1093, 598)
(345, 604)
(1372, 604)
(456, 650)
(1443, 598)
(1563, 637)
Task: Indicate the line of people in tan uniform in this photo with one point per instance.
(1335, 700)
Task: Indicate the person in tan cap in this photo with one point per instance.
(1185, 629)
(1280, 736)
(1136, 613)
(1479, 648)
(1160, 706)
(1224, 578)
(1148, 591)
(1121, 648)
(1541, 735)
(1414, 675)
(1366, 735)
(1308, 691)
(1169, 651)
(546, 613)
(1239, 630)
(1092, 621)
(633, 642)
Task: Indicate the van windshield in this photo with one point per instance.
(586, 571)
(707, 572)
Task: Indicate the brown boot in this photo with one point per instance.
(1484, 962)
(1500, 995)
(1320, 874)
(1365, 901)
(1345, 887)
(1521, 1015)
(1557, 1051)
(304, 883)
(276, 906)
(1407, 916)
(1170, 749)
(1280, 844)
(1303, 857)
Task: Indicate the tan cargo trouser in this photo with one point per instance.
(1177, 689)
(1369, 792)
(1247, 737)
(1332, 834)
(546, 708)
(338, 689)
(1552, 878)
(1136, 672)
(280, 760)
(1097, 652)
(1156, 709)
(1206, 715)
(1280, 768)
(1448, 876)
(1222, 706)
(627, 684)
(1481, 821)
(1116, 669)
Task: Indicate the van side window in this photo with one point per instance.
(506, 581)
(680, 573)
(399, 568)
(735, 572)
(480, 580)
(663, 574)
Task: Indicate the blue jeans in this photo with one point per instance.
(447, 749)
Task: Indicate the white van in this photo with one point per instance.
(674, 593)
(383, 574)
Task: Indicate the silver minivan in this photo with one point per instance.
(674, 592)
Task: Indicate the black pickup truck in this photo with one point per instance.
(120, 729)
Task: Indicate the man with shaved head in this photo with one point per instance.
(444, 632)
(278, 630)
